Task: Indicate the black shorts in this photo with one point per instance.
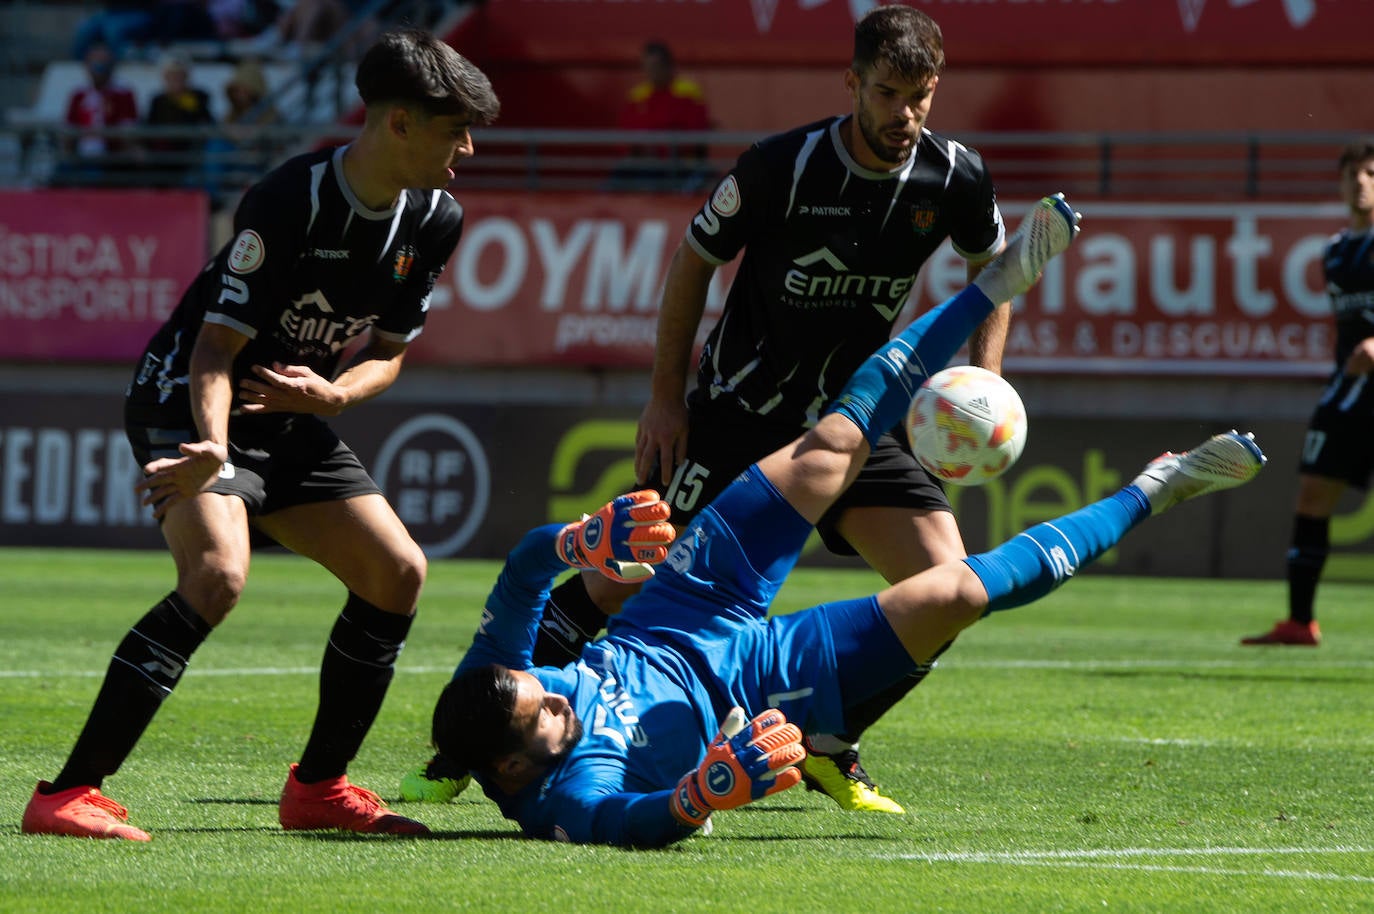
(1340, 434)
(303, 462)
(720, 448)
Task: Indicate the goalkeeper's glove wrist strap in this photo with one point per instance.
(687, 802)
(569, 549)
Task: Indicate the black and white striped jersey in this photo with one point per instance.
(309, 270)
(831, 252)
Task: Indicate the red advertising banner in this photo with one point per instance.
(987, 32)
(89, 275)
(575, 279)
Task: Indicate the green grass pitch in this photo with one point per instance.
(1109, 749)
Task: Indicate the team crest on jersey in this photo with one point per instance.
(923, 217)
(247, 254)
(405, 259)
(726, 199)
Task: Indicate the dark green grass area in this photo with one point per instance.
(1109, 749)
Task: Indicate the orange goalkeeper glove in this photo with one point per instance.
(743, 763)
(623, 541)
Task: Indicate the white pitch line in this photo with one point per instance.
(1199, 870)
(1186, 743)
(1109, 859)
(1114, 852)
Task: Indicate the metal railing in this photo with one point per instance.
(1221, 166)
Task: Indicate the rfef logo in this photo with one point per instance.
(434, 472)
(247, 254)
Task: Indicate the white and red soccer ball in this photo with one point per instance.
(966, 425)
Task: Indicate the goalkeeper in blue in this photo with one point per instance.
(695, 700)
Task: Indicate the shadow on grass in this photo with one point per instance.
(349, 836)
(477, 834)
(237, 801)
(491, 835)
(214, 830)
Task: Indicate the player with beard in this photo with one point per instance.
(621, 746)
(834, 220)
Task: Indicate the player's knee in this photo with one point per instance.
(213, 589)
(412, 571)
(401, 577)
(836, 434)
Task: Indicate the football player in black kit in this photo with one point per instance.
(224, 415)
(835, 219)
(1338, 450)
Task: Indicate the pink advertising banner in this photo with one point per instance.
(1176, 288)
(89, 275)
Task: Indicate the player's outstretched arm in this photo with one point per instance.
(743, 763)
(623, 541)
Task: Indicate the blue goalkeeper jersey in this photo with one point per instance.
(695, 642)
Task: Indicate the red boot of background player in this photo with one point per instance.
(335, 803)
(1286, 631)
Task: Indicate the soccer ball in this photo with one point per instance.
(966, 425)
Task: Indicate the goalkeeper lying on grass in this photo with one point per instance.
(622, 747)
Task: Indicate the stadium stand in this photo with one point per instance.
(144, 78)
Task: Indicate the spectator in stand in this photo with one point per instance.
(249, 106)
(249, 111)
(179, 104)
(119, 25)
(97, 107)
(663, 100)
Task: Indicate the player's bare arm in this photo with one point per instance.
(1361, 359)
(662, 434)
(989, 340)
(299, 389)
(171, 480)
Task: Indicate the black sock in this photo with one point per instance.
(1306, 558)
(863, 714)
(357, 669)
(570, 620)
(145, 668)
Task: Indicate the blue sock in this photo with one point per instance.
(1033, 563)
(878, 394)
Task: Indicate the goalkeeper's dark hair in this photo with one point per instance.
(412, 67)
(1356, 152)
(472, 719)
(908, 39)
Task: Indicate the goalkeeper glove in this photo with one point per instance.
(623, 540)
(743, 763)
